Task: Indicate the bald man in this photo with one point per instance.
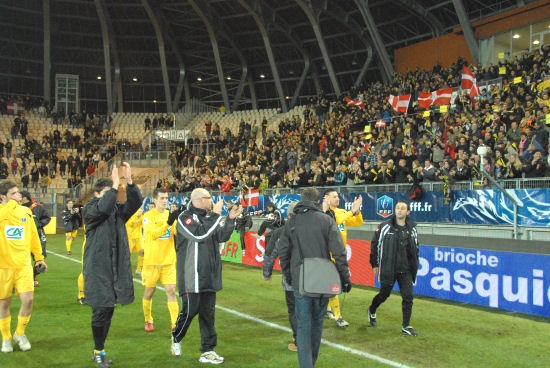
(200, 230)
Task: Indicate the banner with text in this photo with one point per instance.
(481, 277)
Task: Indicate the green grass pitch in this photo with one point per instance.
(451, 334)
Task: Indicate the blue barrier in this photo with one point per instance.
(511, 281)
(485, 207)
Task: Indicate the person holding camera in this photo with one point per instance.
(71, 223)
(244, 221)
(18, 239)
(41, 219)
(316, 232)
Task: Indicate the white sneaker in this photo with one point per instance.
(211, 357)
(7, 346)
(329, 314)
(23, 342)
(175, 348)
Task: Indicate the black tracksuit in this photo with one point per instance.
(394, 250)
(199, 269)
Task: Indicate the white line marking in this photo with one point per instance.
(347, 349)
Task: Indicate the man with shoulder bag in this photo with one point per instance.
(304, 253)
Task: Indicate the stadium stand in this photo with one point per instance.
(375, 145)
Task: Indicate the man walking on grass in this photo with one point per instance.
(394, 257)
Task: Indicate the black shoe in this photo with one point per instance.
(69, 253)
(372, 318)
(409, 330)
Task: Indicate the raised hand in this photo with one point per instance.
(235, 212)
(217, 207)
(114, 177)
(127, 172)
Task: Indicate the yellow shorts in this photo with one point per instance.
(151, 274)
(19, 278)
(136, 245)
(72, 234)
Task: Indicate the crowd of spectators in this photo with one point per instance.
(343, 145)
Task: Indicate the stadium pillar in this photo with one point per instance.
(162, 54)
(47, 47)
(387, 66)
(467, 29)
(307, 63)
(364, 69)
(106, 53)
(313, 19)
(267, 44)
(240, 88)
(252, 92)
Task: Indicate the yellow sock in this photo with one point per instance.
(68, 244)
(147, 308)
(22, 322)
(99, 351)
(5, 328)
(174, 311)
(140, 264)
(80, 283)
(334, 306)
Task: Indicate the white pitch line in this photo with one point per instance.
(347, 349)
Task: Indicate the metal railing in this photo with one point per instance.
(532, 183)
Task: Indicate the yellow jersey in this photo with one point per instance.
(134, 225)
(158, 247)
(346, 218)
(19, 236)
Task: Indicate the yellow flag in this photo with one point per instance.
(367, 129)
(443, 108)
(517, 80)
(501, 55)
(426, 114)
(502, 70)
(547, 119)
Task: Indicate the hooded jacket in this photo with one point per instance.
(107, 268)
(71, 220)
(384, 246)
(318, 235)
(199, 234)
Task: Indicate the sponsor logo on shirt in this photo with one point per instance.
(342, 227)
(145, 221)
(15, 232)
(167, 234)
(24, 219)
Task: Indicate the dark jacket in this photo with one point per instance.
(318, 235)
(106, 268)
(270, 255)
(278, 221)
(198, 239)
(41, 219)
(244, 221)
(384, 246)
(71, 220)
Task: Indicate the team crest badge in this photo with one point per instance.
(24, 219)
(188, 221)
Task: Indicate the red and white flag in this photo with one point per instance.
(439, 97)
(469, 82)
(380, 123)
(250, 198)
(15, 108)
(424, 99)
(355, 102)
(400, 103)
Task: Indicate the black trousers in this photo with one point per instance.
(101, 322)
(405, 286)
(242, 233)
(203, 304)
(291, 307)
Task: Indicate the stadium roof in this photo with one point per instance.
(270, 45)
